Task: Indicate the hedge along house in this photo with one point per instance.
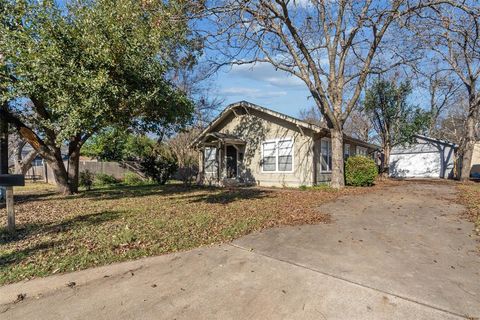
(251, 145)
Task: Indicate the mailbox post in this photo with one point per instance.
(9, 181)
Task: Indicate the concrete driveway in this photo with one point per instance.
(398, 253)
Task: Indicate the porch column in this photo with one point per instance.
(220, 162)
(224, 159)
(201, 161)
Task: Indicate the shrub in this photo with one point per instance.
(158, 167)
(360, 171)
(187, 174)
(86, 179)
(103, 179)
(318, 187)
(132, 179)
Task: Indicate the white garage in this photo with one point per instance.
(426, 158)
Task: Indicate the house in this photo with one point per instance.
(425, 158)
(249, 144)
(475, 170)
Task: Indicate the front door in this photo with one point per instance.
(231, 162)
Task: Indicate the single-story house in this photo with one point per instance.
(425, 158)
(475, 170)
(249, 144)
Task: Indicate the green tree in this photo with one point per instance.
(71, 70)
(113, 144)
(394, 120)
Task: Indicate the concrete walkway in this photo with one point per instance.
(400, 253)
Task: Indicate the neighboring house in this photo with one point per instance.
(249, 144)
(25, 151)
(426, 158)
(475, 170)
(21, 151)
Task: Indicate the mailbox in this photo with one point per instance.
(12, 180)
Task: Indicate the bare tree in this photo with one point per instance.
(312, 115)
(332, 46)
(442, 90)
(452, 123)
(185, 155)
(453, 35)
(359, 125)
(195, 80)
(22, 162)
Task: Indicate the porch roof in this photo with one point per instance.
(222, 137)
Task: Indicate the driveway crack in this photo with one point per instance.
(250, 250)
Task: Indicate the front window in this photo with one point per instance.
(269, 156)
(326, 151)
(210, 159)
(346, 151)
(285, 155)
(277, 155)
(362, 151)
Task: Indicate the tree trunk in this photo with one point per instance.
(386, 161)
(467, 151)
(469, 144)
(49, 152)
(23, 165)
(73, 169)
(338, 178)
(59, 172)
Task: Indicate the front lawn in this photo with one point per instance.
(58, 234)
(470, 197)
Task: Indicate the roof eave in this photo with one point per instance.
(246, 104)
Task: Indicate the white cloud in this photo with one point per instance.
(247, 93)
(265, 72)
(301, 3)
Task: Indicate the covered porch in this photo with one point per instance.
(221, 159)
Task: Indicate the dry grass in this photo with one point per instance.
(469, 196)
(59, 234)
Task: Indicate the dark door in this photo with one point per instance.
(231, 162)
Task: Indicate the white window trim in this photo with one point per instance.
(276, 154)
(205, 161)
(345, 145)
(330, 141)
(359, 148)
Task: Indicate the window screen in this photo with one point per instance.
(269, 156)
(326, 151)
(210, 159)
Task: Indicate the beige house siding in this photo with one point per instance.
(323, 177)
(476, 154)
(246, 127)
(256, 128)
(475, 169)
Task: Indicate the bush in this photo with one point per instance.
(103, 179)
(187, 174)
(360, 171)
(86, 179)
(132, 179)
(158, 167)
(318, 187)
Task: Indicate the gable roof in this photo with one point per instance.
(436, 140)
(247, 105)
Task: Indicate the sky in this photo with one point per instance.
(274, 89)
(263, 85)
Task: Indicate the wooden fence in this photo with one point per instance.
(44, 172)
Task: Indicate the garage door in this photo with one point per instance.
(422, 165)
